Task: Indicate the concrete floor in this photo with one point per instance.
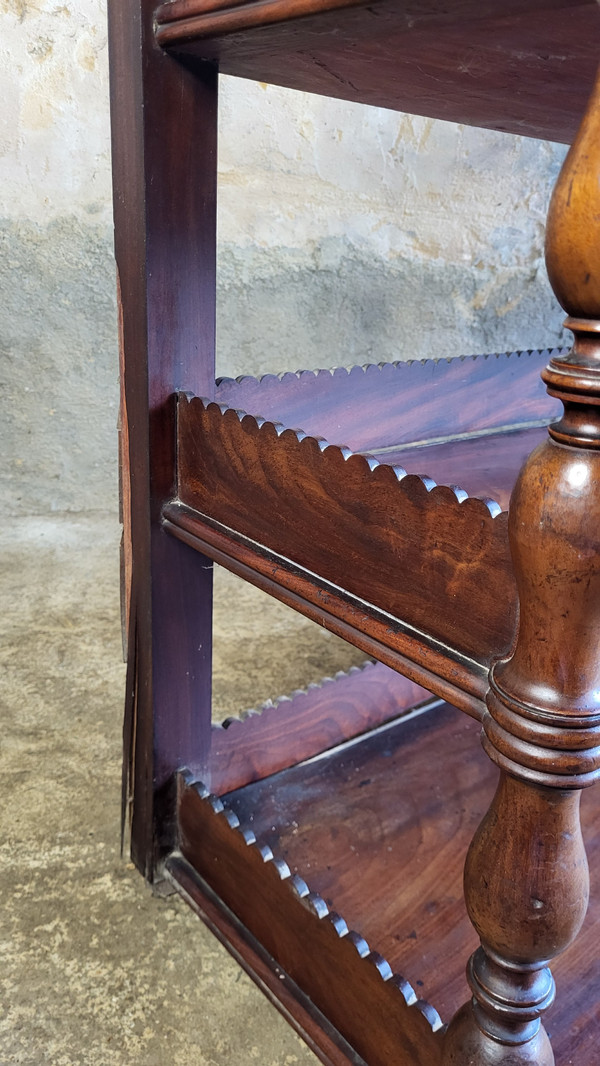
(95, 970)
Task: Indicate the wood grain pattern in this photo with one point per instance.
(378, 1012)
(417, 401)
(484, 467)
(572, 228)
(486, 64)
(281, 734)
(542, 725)
(164, 182)
(383, 842)
(380, 795)
(298, 1010)
(424, 554)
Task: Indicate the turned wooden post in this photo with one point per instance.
(526, 876)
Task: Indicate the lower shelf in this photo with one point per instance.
(347, 869)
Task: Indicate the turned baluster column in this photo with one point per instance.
(526, 876)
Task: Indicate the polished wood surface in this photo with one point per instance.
(369, 814)
(347, 984)
(439, 584)
(542, 726)
(572, 226)
(239, 478)
(297, 1009)
(417, 402)
(521, 67)
(292, 729)
(418, 656)
(483, 467)
(334, 821)
(464, 412)
(393, 541)
(165, 218)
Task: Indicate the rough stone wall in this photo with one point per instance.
(58, 352)
(346, 234)
(384, 236)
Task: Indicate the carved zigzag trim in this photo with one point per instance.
(273, 704)
(408, 482)
(317, 905)
(287, 376)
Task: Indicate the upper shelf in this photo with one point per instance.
(521, 66)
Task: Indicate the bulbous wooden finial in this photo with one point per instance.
(573, 234)
(573, 226)
(573, 262)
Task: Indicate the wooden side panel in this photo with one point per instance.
(381, 405)
(164, 178)
(310, 722)
(416, 552)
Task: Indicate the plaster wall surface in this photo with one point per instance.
(346, 234)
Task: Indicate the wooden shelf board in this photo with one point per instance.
(384, 842)
(378, 831)
(485, 467)
(282, 733)
(450, 420)
(525, 68)
(383, 405)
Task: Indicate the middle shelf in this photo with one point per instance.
(374, 500)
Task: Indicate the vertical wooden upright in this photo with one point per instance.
(164, 120)
(526, 876)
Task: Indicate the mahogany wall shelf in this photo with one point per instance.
(324, 838)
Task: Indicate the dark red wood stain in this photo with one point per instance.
(437, 583)
(383, 405)
(482, 62)
(390, 540)
(385, 844)
(313, 721)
